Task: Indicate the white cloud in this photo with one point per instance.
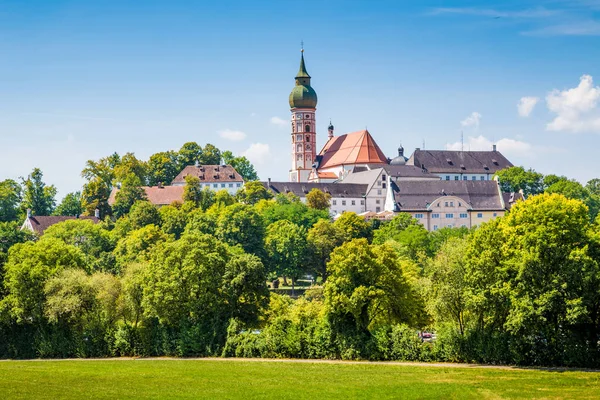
(526, 105)
(472, 120)
(576, 109)
(258, 153)
(505, 145)
(279, 121)
(234, 136)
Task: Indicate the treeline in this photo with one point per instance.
(192, 279)
(32, 193)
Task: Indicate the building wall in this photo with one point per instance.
(338, 205)
(231, 187)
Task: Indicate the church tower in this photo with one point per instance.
(303, 105)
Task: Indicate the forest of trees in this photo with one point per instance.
(197, 278)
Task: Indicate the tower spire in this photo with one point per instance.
(302, 73)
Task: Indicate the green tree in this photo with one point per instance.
(367, 288)
(514, 179)
(223, 198)
(284, 208)
(189, 154)
(100, 176)
(194, 193)
(28, 268)
(162, 167)
(322, 239)
(37, 196)
(241, 165)
(173, 220)
(447, 287)
(130, 192)
(287, 250)
(211, 155)
(139, 244)
(10, 234)
(352, 226)
(239, 224)
(144, 213)
(593, 186)
(575, 190)
(317, 199)
(72, 205)
(91, 238)
(253, 192)
(10, 199)
(130, 165)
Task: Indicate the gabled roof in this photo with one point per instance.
(39, 224)
(209, 174)
(459, 162)
(301, 189)
(157, 195)
(351, 148)
(419, 195)
(408, 171)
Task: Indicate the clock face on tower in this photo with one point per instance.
(308, 147)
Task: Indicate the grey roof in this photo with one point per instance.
(408, 171)
(511, 198)
(300, 189)
(418, 195)
(40, 223)
(368, 177)
(459, 162)
(209, 174)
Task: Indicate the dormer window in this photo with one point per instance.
(462, 166)
(495, 162)
(449, 161)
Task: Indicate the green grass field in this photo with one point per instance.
(193, 379)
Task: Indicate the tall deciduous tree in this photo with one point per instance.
(240, 224)
(317, 199)
(241, 164)
(162, 167)
(322, 239)
(37, 196)
(352, 226)
(514, 179)
(189, 154)
(367, 288)
(71, 205)
(130, 192)
(10, 198)
(253, 192)
(287, 249)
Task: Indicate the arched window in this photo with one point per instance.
(307, 128)
(299, 147)
(299, 157)
(308, 158)
(308, 138)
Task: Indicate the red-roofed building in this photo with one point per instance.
(38, 224)
(157, 195)
(341, 154)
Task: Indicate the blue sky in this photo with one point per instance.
(82, 79)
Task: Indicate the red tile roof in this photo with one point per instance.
(351, 148)
(209, 174)
(159, 196)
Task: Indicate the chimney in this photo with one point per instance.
(97, 213)
(29, 213)
(417, 149)
(494, 147)
(269, 182)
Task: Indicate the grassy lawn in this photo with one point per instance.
(192, 379)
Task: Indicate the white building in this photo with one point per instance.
(215, 177)
(344, 197)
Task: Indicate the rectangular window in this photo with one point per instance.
(482, 178)
(383, 185)
(353, 202)
(450, 226)
(451, 204)
(383, 177)
(343, 202)
(456, 177)
(473, 178)
(495, 214)
(435, 227)
(435, 215)
(215, 185)
(447, 177)
(239, 185)
(449, 215)
(231, 185)
(222, 185)
(479, 215)
(334, 202)
(445, 204)
(377, 201)
(463, 226)
(418, 216)
(377, 209)
(379, 192)
(464, 215)
(464, 178)
(362, 202)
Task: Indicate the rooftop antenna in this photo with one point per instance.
(302, 46)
